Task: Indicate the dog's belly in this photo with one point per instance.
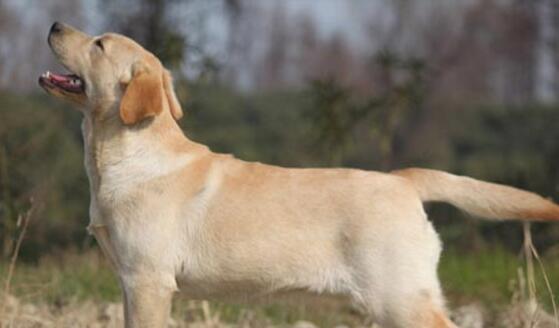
(251, 292)
(232, 290)
(248, 279)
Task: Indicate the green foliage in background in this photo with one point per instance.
(268, 127)
(386, 120)
(42, 159)
(518, 146)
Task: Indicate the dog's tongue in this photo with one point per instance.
(68, 82)
(61, 77)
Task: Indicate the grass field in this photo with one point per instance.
(488, 278)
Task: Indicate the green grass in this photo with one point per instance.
(487, 276)
(491, 276)
(65, 278)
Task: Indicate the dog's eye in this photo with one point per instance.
(99, 44)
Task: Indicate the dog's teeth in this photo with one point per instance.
(47, 74)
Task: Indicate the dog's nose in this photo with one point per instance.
(55, 28)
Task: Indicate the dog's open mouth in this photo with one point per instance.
(62, 82)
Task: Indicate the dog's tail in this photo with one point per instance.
(480, 198)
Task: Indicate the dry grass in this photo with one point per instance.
(203, 315)
(23, 223)
(90, 314)
(525, 309)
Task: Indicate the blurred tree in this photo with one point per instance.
(41, 158)
(149, 24)
(553, 8)
(517, 51)
(246, 26)
(389, 115)
(235, 10)
(7, 20)
(333, 114)
(307, 44)
(512, 145)
(7, 211)
(272, 73)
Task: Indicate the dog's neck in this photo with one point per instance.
(118, 158)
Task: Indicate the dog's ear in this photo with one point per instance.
(172, 100)
(143, 96)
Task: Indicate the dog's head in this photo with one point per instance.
(110, 75)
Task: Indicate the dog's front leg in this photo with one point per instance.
(146, 303)
(101, 234)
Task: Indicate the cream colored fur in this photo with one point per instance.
(172, 216)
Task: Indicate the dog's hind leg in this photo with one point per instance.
(396, 273)
(438, 319)
(418, 311)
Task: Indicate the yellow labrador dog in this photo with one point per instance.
(173, 216)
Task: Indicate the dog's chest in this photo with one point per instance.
(95, 217)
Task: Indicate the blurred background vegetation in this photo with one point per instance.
(470, 87)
